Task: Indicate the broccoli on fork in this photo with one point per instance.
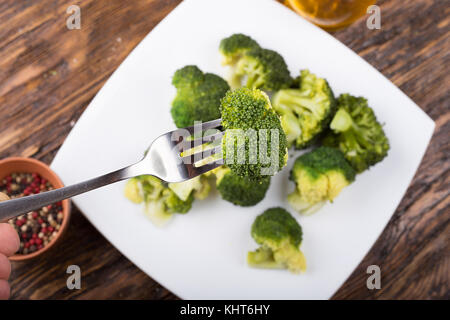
(248, 119)
(280, 236)
(198, 96)
(357, 133)
(305, 110)
(319, 175)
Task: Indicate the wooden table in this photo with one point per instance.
(49, 74)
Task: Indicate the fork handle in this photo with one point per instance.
(16, 207)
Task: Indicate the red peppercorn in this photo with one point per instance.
(24, 184)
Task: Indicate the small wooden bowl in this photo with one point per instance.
(29, 165)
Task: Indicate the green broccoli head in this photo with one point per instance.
(254, 144)
(319, 175)
(279, 236)
(306, 110)
(198, 96)
(151, 187)
(236, 45)
(253, 66)
(160, 201)
(262, 69)
(239, 190)
(173, 204)
(357, 133)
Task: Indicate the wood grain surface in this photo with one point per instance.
(49, 74)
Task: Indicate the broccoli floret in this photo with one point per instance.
(239, 190)
(251, 127)
(253, 66)
(262, 69)
(160, 201)
(198, 96)
(319, 175)
(199, 187)
(133, 191)
(233, 47)
(150, 186)
(280, 236)
(357, 133)
(306, 110)
(174, 204)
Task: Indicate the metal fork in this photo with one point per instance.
(167, 158)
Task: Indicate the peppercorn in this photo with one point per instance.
(38, 228)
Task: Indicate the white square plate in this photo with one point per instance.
(203, 254)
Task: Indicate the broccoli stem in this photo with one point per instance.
(342, 121)
(263, 258)
(298, 102)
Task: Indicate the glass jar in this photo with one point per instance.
(330, 14)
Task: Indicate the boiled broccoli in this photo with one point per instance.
(262, 69)
(254, 144)
(174, 204)
(280, 236)
(234, 47)
(357, 133)
(199, 187)
(198, 96)
(306, 110)
(160, 201)
(253, 66)
(319, 175)
(239, 190)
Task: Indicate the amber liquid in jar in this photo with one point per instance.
(330, 14)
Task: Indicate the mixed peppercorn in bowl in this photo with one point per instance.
(38, 230)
